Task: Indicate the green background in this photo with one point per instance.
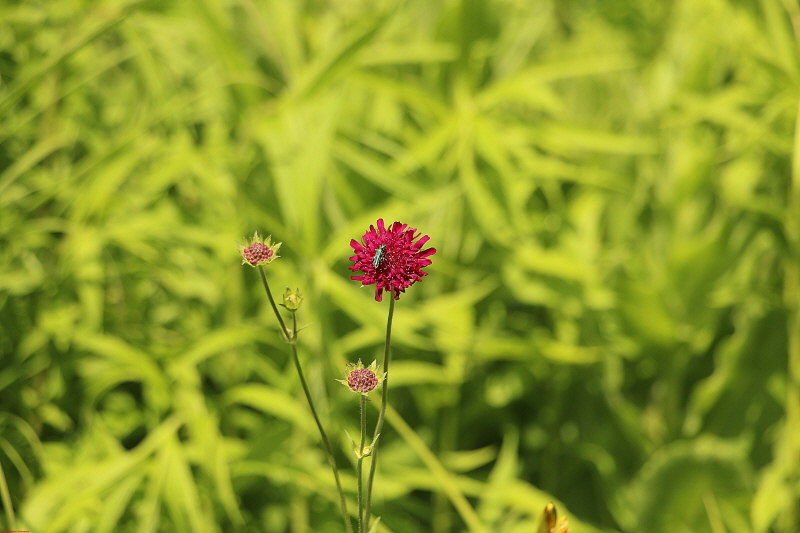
(610, 321)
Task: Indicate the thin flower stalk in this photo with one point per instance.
(361, 380)
(387, 355)
(360, 463)
(286, 335)
(325, 442)
(260, 252)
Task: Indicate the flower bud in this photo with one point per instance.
(549, 523)
(292, 299)
(360, 379)
(259, 251)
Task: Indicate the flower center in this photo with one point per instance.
(362, 380)
(256, 253)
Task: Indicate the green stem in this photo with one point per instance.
(291, 338)
(387, 353)
(272, 303)
(359, 464)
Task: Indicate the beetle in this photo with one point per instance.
(376, 261)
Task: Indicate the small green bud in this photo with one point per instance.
(292, 299)
(360, 454)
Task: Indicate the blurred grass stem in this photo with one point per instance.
(791, 297)
(5, 497)
(387, 353)
(291, 338)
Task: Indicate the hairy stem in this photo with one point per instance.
(387, 353)
(359, 464)
(274, 307)
(291, 338)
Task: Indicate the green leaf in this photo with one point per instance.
(681, 487)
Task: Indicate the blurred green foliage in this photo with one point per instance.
(610, 321)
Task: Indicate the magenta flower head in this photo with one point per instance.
(391, 258)
(259, 251)
(360, 379)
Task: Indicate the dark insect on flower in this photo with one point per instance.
(376, 261)
(391, 258)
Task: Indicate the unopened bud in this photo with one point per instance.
(292, 299)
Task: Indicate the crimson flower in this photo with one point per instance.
(390, 258)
